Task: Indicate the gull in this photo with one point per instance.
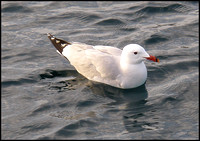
(123, 69)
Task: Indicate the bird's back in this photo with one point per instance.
(95, 63)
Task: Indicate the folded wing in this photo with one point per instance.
(94, 62)
(109, 50)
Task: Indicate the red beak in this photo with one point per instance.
(152, 58)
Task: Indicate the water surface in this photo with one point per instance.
(44, 97)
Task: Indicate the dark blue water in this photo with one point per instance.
(43, 96)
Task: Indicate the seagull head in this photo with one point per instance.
(134, 54)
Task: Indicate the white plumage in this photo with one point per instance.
(119, 68)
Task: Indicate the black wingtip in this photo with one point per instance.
(58, 43)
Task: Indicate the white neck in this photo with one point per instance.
(128, 79)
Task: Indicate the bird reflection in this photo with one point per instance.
(135, 109)
(128, 96)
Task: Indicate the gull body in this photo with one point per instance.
(105, 64)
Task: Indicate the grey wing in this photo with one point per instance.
(105, 64)
(109, 49)
(92, 63)
(75, 53)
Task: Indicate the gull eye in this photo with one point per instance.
(135, 53)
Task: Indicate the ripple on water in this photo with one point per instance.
(16, 8)
(43, 97)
